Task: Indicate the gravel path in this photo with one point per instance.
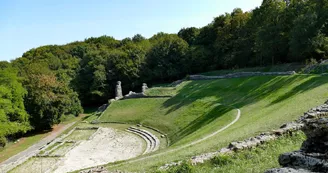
(32, 150)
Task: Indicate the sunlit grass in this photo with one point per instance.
(202, 107)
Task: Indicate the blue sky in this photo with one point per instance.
(29, 24)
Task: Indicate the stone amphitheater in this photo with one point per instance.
(94, 144)
(89, 147)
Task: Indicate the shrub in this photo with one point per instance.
(185, 167)
(3, 141)
(221, 160)
(311, 62)
(187, 77)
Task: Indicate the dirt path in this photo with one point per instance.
(187, 145)
(34, 149)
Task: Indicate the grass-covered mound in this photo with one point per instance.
(199, 108)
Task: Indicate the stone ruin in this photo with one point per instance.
(144, 87)
(102, 108)
(131, 94)
(101, 169)
(118, 91)
(313, 154)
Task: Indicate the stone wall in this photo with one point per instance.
(102, 108)
(133, 95)
(231, 75)
(241, 74)
(177, 83)
(101, 169)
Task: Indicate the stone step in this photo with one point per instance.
(151, 139)
(148, 140)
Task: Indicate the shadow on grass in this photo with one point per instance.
(240, 92)
(200, 122)
(231, 92)
(89, 110)
(305, 86)
(237, 92)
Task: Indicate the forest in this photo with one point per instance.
(52, 81)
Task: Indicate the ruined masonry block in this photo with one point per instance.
(118, 91)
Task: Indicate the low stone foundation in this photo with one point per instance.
(133, 95)
(101, 170)
(313, 155)
(241, 74)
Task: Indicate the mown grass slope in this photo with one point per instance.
(276, 68)
(176, 123)
(200, 107)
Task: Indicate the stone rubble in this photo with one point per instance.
(102, 108)
(101, 169)
(313, 155)
(289, 170)
(134, 95)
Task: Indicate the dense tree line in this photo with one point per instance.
(53, 81)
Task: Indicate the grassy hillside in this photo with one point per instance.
(257, 160)
(200, 107)
(176, 123)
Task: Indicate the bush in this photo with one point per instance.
(185, 167)
(3, 141)
(187, 77)
(221, 160)
(311, 62)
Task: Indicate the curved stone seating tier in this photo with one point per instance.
(151, 140)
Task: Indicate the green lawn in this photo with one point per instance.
(161, 91)
(12, 148)
(178, 124)
(201, 107)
